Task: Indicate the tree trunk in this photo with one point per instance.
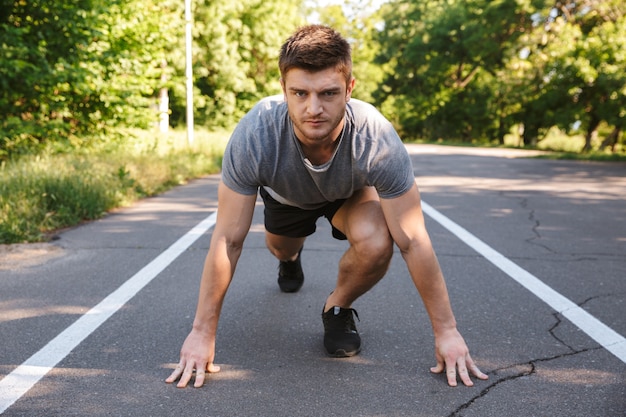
(530, 135)
(501, 127)
(611, 139)
(592, 133)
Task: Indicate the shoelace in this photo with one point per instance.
(346, 317)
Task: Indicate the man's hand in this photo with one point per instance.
(196, 355)
(452, 354)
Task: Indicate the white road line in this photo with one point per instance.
(598, 331)
(25, 376)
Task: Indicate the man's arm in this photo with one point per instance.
(406, 224)
(234, 216)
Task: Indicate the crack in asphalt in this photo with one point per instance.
(529, 369)
(485, 391)
(551, 330)
(535, 228)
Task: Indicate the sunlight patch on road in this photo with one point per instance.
(10, 313)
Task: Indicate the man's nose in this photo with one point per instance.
(315, 105)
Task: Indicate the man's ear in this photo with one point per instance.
(349, 89)
(282, 85)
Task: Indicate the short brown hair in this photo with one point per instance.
(316, 48)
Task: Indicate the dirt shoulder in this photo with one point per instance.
(24, 255)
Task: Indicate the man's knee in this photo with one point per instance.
(374, 243)
(282, 247)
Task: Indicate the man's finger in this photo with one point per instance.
(185, 377)
(451, 374)
(213, 368)
(439, 368)
(200, 376)
(464, 375)
(474, 369)
(175, 374)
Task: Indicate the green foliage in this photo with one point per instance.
(571, 70)
(70, 68)
(131, 65)
(38, 43)
(39, 194)
(475, 69)
(444, 59)
(236, 46)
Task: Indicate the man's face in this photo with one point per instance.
(316, 103)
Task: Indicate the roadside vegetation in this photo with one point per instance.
(562, 146)
(51, 190)
(556, 144)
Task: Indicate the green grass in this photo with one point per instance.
(43, 193)
(562, 146)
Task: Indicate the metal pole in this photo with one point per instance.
(189, 71)
(164, 102)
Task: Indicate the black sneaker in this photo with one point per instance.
(341, 338)
(290, 275)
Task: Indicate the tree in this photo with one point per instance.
(42, 46)
(574, 69)
(129, 57)
(236, 48)
(70, 69)
(445, 57)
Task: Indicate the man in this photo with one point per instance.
(315, 152)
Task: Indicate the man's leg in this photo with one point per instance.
(365, 262)
(367, 259)
(283, 247)
(287, 250)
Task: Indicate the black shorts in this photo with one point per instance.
(284, 220)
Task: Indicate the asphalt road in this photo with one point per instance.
(534, 253)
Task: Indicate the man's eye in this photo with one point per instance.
(299, 93)
(330, 95)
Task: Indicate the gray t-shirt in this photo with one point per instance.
(263, 151)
